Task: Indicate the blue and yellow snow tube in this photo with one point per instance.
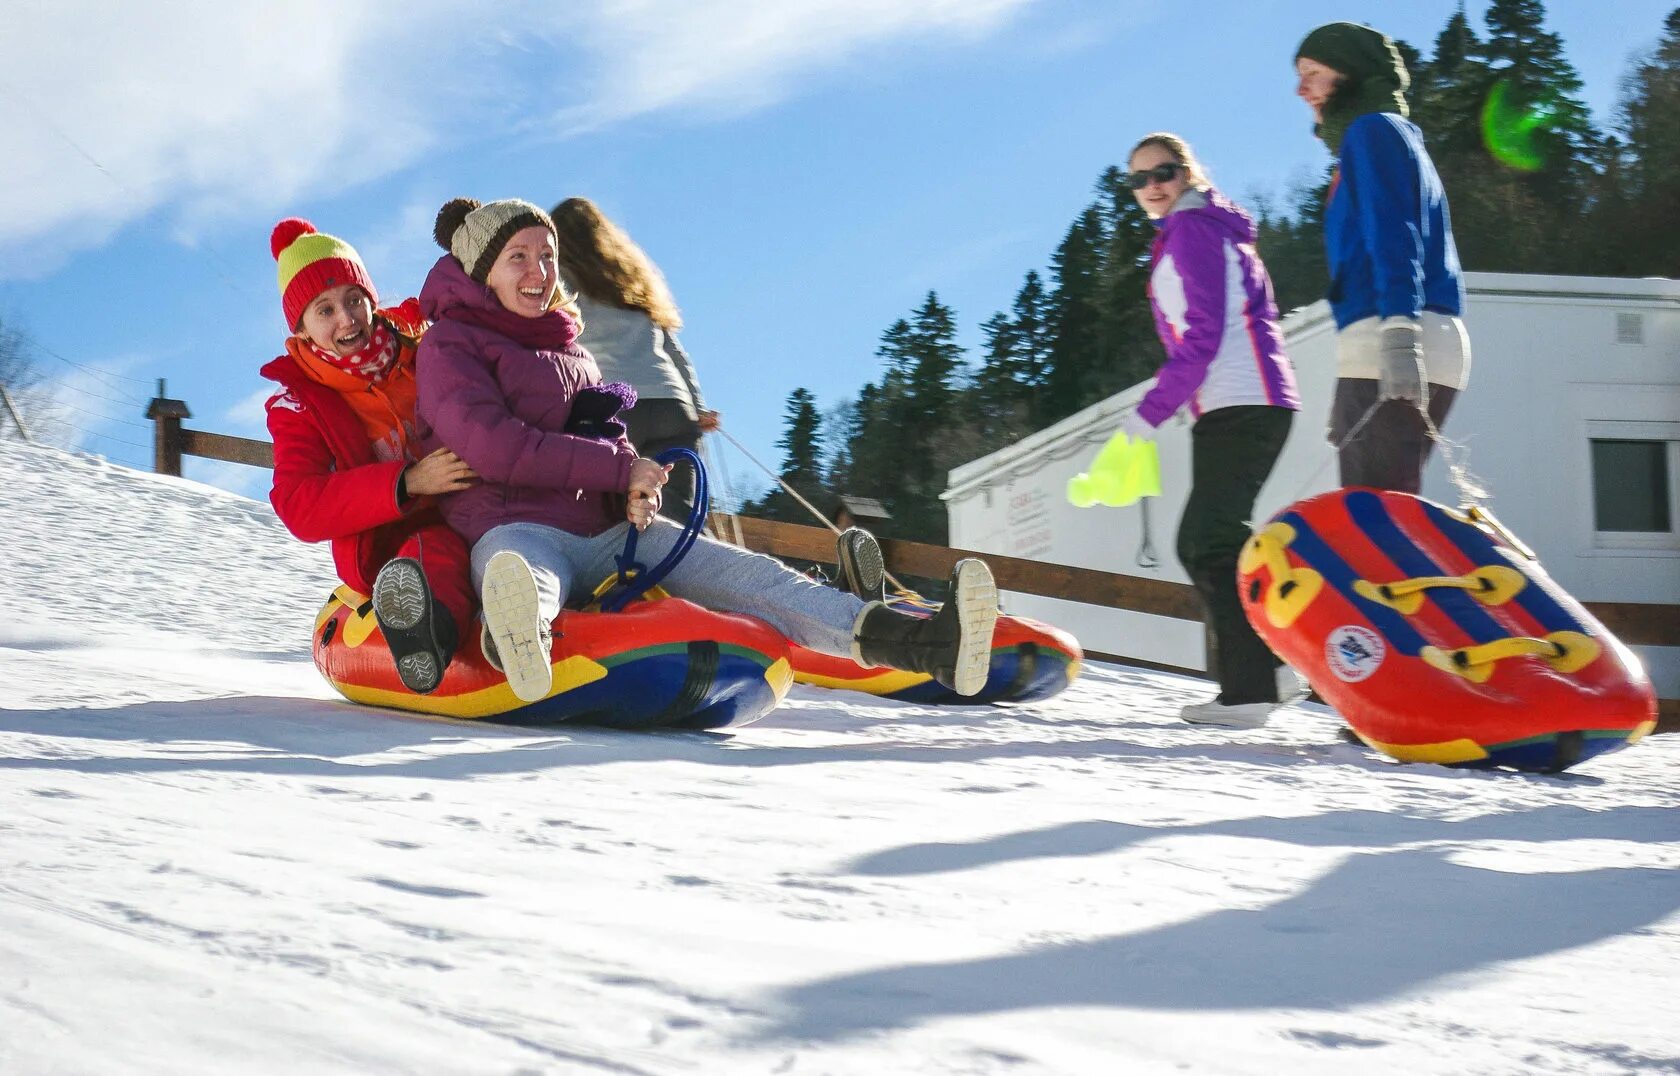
(662, 663)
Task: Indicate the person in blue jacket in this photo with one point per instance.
(1395, 286)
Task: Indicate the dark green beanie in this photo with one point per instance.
(1376, 75)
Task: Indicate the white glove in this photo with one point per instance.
(1400, 354)
(1136, 426)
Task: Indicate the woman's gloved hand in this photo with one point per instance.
(1400, 352)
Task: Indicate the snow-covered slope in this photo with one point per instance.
(209, 863)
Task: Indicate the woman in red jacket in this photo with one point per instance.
(344, 466)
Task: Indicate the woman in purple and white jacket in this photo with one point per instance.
(503, 382)
(1215, 314)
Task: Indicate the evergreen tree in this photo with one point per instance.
(1544, 202)
(1076, 354)
(935, 358)
(1035, 336)
(1448, 92)
(1292, 246)
(801, 441)
(996, 403)
(801, 468)
(1129, 349)
(1648, 230)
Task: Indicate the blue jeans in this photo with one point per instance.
(714, 575)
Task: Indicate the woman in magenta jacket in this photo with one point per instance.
(1226, 367)
(504, 384)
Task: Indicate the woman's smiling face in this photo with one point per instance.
(523, 277)
(338, 320)
(1157, 196)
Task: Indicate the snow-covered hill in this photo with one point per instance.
(209, 863)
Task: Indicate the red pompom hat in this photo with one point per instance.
(310, 263)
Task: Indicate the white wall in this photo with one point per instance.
(1547, 375)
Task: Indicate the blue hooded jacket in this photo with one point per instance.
(1386, 228)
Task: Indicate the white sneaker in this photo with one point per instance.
(1291, 686)
(515, 625)
(1243, 715)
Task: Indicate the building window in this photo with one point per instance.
(1634, 489)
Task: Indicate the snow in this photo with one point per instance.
(209, 862)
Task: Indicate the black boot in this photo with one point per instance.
(954, 646)
(420, 633)
(862, 570)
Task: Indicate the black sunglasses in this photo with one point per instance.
(1161, 173)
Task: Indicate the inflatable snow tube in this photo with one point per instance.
(663, 663)
(1030, 660)
(1437, 637)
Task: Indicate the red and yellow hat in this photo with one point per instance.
(310, 263)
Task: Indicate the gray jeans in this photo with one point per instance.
(1392, 446)
(712, 574)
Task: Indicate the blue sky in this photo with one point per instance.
(803, 170)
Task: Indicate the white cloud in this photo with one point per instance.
(248, 417)
(735, 55)
(202, 109)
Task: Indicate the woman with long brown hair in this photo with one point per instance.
(630, 325)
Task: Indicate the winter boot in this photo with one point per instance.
(419, 632)
(954, 646)
(521, 637)
(862, 571)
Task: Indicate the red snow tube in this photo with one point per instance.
(1436, 637)
(1030, 660)
(658, 663)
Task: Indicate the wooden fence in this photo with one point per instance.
(1637, 624)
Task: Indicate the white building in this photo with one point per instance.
(1571, 421)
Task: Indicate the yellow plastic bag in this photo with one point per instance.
(1123, 471)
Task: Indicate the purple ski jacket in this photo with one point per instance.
(1215, 314)
(501, 404)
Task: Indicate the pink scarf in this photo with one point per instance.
(553, 331)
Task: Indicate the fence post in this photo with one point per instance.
(166, 416)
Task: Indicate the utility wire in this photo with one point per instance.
(100, 415)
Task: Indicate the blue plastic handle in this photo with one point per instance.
(633, 579)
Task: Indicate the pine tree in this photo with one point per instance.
(1649, 230)
(801, 468)
(1291, 245)
(1448, 92)
(996, 401)
(1544, 201)
(1076, 354)
(1130, 350)
(1034, 324)
(936, 358)
(801, 441)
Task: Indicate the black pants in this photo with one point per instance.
(655, 425)
(1232, 450)
(1389, 451)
